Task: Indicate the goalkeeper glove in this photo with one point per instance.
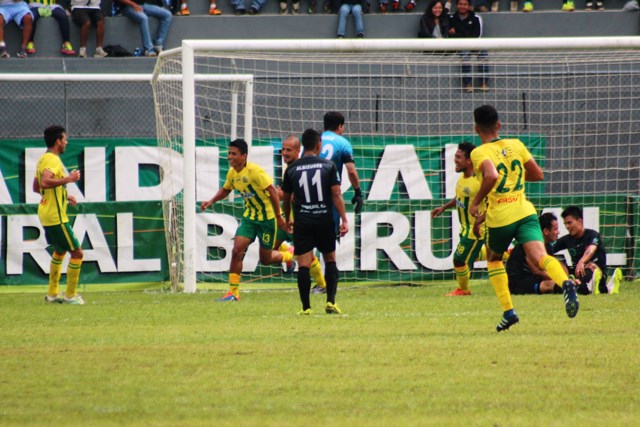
(357, 200)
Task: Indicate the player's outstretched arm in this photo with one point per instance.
(221, 194)
(48, 180)
(439, 210)
(338, 202)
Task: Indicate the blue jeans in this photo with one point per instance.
(142, 19)
(255, 4)
(345, 10)
(482, 67)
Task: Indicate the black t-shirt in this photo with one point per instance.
(576, 247)
(517, 262)
(310, 179)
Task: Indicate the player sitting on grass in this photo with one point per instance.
(261, 216)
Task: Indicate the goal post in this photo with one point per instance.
(573, 101)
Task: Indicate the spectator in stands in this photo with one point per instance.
(18, 12)
(396, 6)
(525, 277)
(40, 10)
(466, 24)
(485, 5)
(599, 5)
(239, 9)
(184, 9)
(139, 12)
(84, 13)
(568, 6)
(588, 255)
(527, 7)
(355, 8)
(435, 22)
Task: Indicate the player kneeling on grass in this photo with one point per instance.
(261, 216)
(51, 182)
(314, 184)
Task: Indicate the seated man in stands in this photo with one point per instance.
(588, 255)
(84, 13)
(18, 12)
(139, 12)
(43, 9)
(525, 277)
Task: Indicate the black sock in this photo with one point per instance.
(304, 286)
(331, 277)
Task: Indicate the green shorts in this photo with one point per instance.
(264, 230)
(467, 251)
(525, 230)
(61, 237)
(283, 236)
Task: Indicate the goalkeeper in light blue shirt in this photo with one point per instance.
(338, 149)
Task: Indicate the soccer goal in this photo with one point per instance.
(575, 102)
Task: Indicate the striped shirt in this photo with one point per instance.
(52, 209)
(252, 183)
(466, 190)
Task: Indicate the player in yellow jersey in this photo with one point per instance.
(471, 229)
(261, 217)
(504, 166)
(291, 153)
(51, 182)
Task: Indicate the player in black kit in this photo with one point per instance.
(314, 184)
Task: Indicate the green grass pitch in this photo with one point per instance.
(400, 356)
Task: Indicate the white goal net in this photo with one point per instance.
(575, 103)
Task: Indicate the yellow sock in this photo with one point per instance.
(500, 281)
(553, 268)
(315, 269)
(286, 256)
(284, 247)
(483, 254)
(55, 271)
(234, 284)
(462, 276)
(73, 276)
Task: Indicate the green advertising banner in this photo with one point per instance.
(119, 214)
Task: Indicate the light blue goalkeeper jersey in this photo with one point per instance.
(337, 149)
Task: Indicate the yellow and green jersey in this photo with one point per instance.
(251, 183)
(53, 205)
(506, 203)
(466, 190)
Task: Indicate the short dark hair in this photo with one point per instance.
(240, 144)
(546, 219)
(466, 147)
(485, 116)
(52, 134)
(573, 211)
(332, 120)
(310, 138)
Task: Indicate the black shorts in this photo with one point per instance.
(80, 16)
(524, 284)
(320, 236)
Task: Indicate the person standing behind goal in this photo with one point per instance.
(261, 217)
(50, 181)
(337, 148)
(314, 184)
(504, 166)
